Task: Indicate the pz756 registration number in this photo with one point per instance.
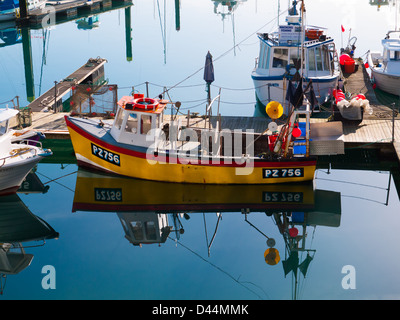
(105, 155)
(283, 173)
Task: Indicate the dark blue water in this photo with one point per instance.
(92, 259)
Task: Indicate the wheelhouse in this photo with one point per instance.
(276, 59)
(135, 118)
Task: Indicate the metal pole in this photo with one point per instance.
(55, 96)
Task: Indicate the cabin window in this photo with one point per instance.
(280, 59)
(261, 55)
(394, 55)
(131, 123)
(263, 60)
(326, 57)
(311, 59)
(294, 55)
(318, 58)
(119, 118)
(145, 123)
(137, 230)
(150, 228)
(3, 127)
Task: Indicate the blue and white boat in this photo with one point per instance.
(9, 9)
(293, 53)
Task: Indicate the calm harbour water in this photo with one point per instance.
(93, 259)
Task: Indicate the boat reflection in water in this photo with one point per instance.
(143, 208)
(19, 228)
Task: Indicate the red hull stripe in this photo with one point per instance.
(183, 160)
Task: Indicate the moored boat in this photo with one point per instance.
(294, 54)
(16, 159)
(142, 143)
(385, 66)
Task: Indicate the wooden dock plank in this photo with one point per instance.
(54, 95)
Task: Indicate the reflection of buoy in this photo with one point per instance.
(271, 242)
(293, 232)
(271, 256)
(274, 110)
(272, 126)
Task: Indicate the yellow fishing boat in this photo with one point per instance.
(142, 143)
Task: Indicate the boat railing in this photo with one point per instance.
(19, 151)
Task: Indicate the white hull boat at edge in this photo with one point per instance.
(16, 159)
(385, 66)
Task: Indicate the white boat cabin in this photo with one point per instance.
(145, 227)
(279, 55)
(391, 54)
(135, 117)
(5, 116)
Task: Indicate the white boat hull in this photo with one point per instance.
(273, 90)
(385, 67)
(13, 174)
(386, 82)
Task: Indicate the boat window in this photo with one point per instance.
(280, 59)
(119, 118)
(326, 57)
(261, 55)
(145, 123)
(263, 60)
(394, 55)
(137, 230)
(311, 59)
(150, 228)
(3, 127)
(318, 57)
(131, 123)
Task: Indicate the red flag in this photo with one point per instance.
(342, 29)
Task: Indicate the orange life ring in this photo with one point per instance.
(145, 103)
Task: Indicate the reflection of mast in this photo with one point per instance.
(231, 7)
(46, 35)
(27, 50)
(163, 29)
(128, 34)
(177, 15)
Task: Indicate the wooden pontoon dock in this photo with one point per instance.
(52, 98)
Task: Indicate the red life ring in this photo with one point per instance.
(145, 103)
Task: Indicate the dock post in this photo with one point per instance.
(147, 89)
(393, 116)
(23, 9)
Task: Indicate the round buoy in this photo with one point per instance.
(296, 132)
(274, 110)
(272, 126)
(271, 256)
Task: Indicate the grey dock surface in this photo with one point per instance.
(359, 82)
(54, 95)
